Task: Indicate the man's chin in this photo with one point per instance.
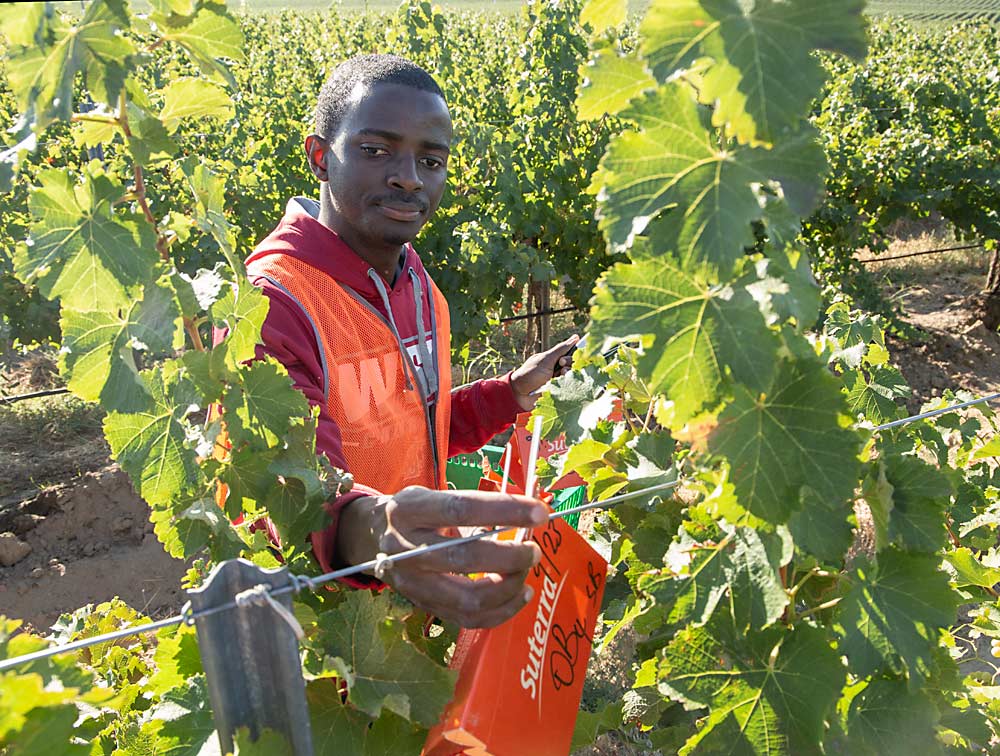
(400, 237)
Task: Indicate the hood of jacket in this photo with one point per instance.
(301, 235)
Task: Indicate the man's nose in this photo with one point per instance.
(405, 174)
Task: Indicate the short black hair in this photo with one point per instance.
(368, 70)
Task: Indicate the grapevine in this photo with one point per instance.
(765, 626)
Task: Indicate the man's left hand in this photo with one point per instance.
(539, 369)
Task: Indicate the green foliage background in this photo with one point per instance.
(517, 207)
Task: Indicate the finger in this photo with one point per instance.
(423, 508)
(471, 603)
(551, 355)
(499, 615)
(504, 557)
(564, 346)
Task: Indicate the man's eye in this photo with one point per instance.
(373, 150)
(431, 162)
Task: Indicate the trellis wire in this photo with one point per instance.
(300, 581)
(97, 639)
(33, 395)
(918, 254)
(935, 413)
(541, 313)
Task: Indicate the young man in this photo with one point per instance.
(364, 333)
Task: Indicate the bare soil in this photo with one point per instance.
(947, 347)
(89, 533)
(90, 540)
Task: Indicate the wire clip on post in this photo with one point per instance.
(251, 653)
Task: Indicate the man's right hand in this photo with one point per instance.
(438, 582)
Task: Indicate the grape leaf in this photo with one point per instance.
(787, 437)
(594, 461)
(81, 250)
(382, 669)
(874, 396)
(340, 730)
(689, 329)
(188, 526)
(46, 730)
(890, 617)
(743, 564)
(179, 7)
(241, 311)
(94, 133)
(591, 724)
(782, 225)
(719, 207)
(27, 25)
(258, 410)
(293, 512)
(887, 719)
(601, 14)
(96, 355)
(673, 163)
(150, 445)
(200, 291)
(148, 140)
(36, 711)
(764, 76)
(574, 404)
(609, 81)
(852, 329)
(50, 49)
(189, 98)
(758, 597)
(176, 657)
(248, 478)
(209, 190)
(877, 492)
(820, 528)
(970, 571)
(209, 372)
(988, 450)
(182, 722)
(767, 693)
(785, 288)
(208, 35)
(10, 157)
(59, 676)
(920, 496)
(298, 459)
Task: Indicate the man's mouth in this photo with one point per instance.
(401, 212)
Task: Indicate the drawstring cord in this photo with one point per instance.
(429, 372)
(392, 321)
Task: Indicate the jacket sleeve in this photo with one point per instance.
(479, 411)
(288, 336)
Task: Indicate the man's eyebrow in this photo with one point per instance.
(392, 136)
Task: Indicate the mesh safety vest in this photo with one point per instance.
(391, 437)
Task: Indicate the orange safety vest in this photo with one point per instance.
(391, 438)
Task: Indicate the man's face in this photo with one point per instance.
(386, 166)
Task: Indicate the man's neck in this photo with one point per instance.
(385, 260)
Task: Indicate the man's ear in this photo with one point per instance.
(317, 151)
